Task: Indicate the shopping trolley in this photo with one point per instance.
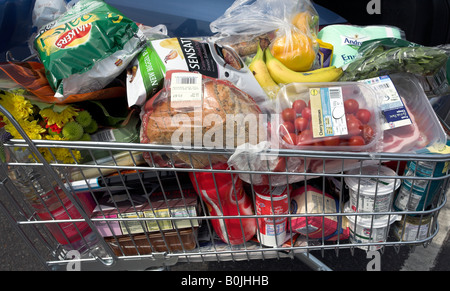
(143, 216)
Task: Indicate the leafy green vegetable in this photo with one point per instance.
(380, 58)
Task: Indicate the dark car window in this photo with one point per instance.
(424, 22)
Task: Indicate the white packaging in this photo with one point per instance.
(365, 231)
(371, 194)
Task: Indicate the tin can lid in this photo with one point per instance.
(273, 191)
(374, 183)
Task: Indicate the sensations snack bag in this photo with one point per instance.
(87, 47)
(202, 55)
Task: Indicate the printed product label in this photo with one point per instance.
(186, 54)
(272, 229)
(366, 203)
(67, 35)
(160, 224)
(408, 199)
(327, 112)
(368, 235)
(183, 212)
(415, 232)
(152, 69)
(104, 135)
(74, 37)
(132, 226)
(394, 111)
(198, 57)
(414, 193)
(186, 87)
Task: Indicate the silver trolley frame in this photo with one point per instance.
(207, 246)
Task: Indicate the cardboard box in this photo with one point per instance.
(159, 204)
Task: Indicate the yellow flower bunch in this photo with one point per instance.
(59, 118)
(17, 105)
(61, 154)
(23, 111)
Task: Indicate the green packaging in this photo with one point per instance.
(346, 39)
(87, 47)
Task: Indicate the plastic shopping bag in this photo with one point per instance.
(295, 24)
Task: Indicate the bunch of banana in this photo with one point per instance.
(259, 69)
(283, 75)
(271, 73)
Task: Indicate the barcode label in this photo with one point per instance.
(184, 80)
(186, 87)
(336, 93)
(104, 135)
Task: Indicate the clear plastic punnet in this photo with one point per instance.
(409, 121)
(329, 116)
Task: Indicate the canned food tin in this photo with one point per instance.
(413, 228)
(272, 201)
(415, 194)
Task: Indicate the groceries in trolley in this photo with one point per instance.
(200, 147)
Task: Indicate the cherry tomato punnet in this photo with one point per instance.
(301, 123)
(356, 140)
(306, 113)
(363, 115)
(298, 105)
(288, 114)
(351, 106)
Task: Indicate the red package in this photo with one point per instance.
(317, 227)
(224, 195)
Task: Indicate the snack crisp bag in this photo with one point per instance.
(147, 72)
(87, 47)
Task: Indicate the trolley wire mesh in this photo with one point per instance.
(165, 221)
